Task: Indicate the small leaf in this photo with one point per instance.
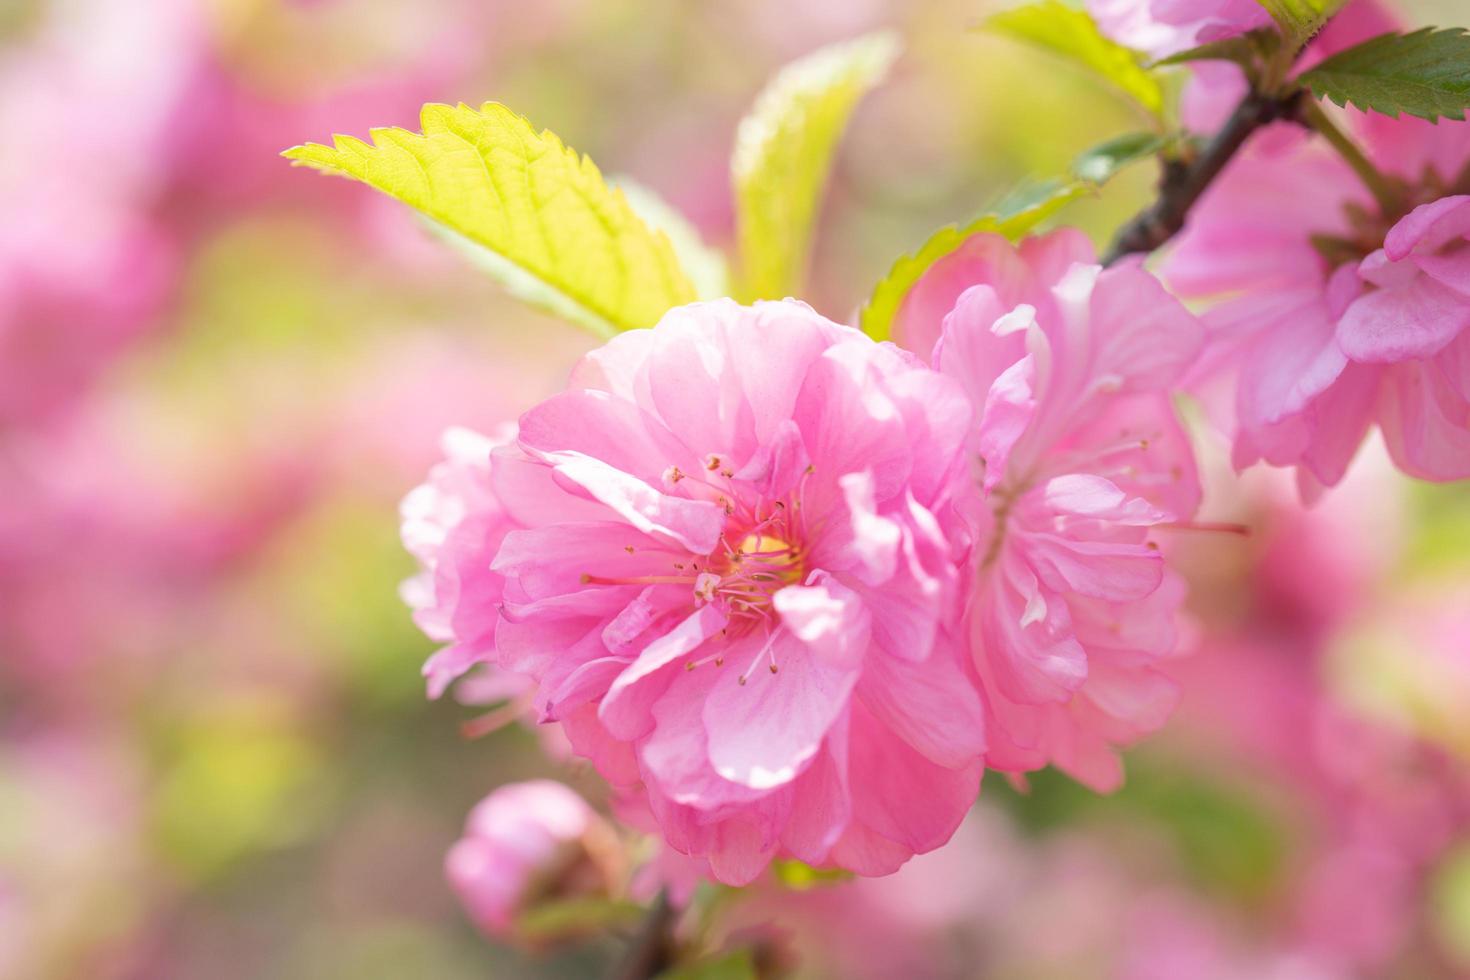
(1245, 50)
(537, 214)
(783, 153)
(1424, 74)
(1073, 34)
(1014, 218)
(800, 876)
(1101, 163)
(739, 965)
(1016, 215)
(550, 921)
(1300, 19)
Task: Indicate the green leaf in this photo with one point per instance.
(1012, 219)
(1073, 34)
(1246, 50)
(705, 265)
(1237, 49)
(1450, 903)
(739, 965)
(1424, 74)
(537, 214)
(800, 876)
(555, 920)
(1016, 215)
(1100, 164)
(1300, 19)
(783, 153)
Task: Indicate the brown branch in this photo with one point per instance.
(652, 949)
(1183, 182)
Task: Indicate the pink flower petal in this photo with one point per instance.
(625, 708)
(828, 617)
(1410, 322)
(762, 733)
(936, 710)
(1429, 226)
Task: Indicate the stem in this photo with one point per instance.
(652, 949)
(1183, 183)
(1389, 200)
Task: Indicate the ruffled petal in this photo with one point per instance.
(764, 731)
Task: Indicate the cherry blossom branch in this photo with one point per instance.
(1183, 182)
(652, 949)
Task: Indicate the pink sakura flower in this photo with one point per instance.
(1077, 456)
(1342, 317)
(727, 569)
(528, 842)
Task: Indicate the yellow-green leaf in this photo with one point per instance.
(705, 265)
(737, 965)
(557, 920)
(1028, 210)
(1073, 34)
(541, 216)
(783, 153)
(1016, 215)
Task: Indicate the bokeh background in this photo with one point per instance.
(218, 375)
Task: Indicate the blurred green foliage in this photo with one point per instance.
(1226, 835)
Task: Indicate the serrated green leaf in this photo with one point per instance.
(1073, 34)
(538, 214)
(1424, 74)
(783, 153)
(1016, 215)
(1300, 19)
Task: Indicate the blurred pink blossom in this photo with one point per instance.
(1326, 344)
(84, 263)
(73, 841)
(526, 842)
(1371, 801)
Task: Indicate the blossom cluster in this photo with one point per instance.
(792, 590)
(862, 573)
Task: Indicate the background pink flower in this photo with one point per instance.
(85, 264)
(530, 841)
(1340, 317)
